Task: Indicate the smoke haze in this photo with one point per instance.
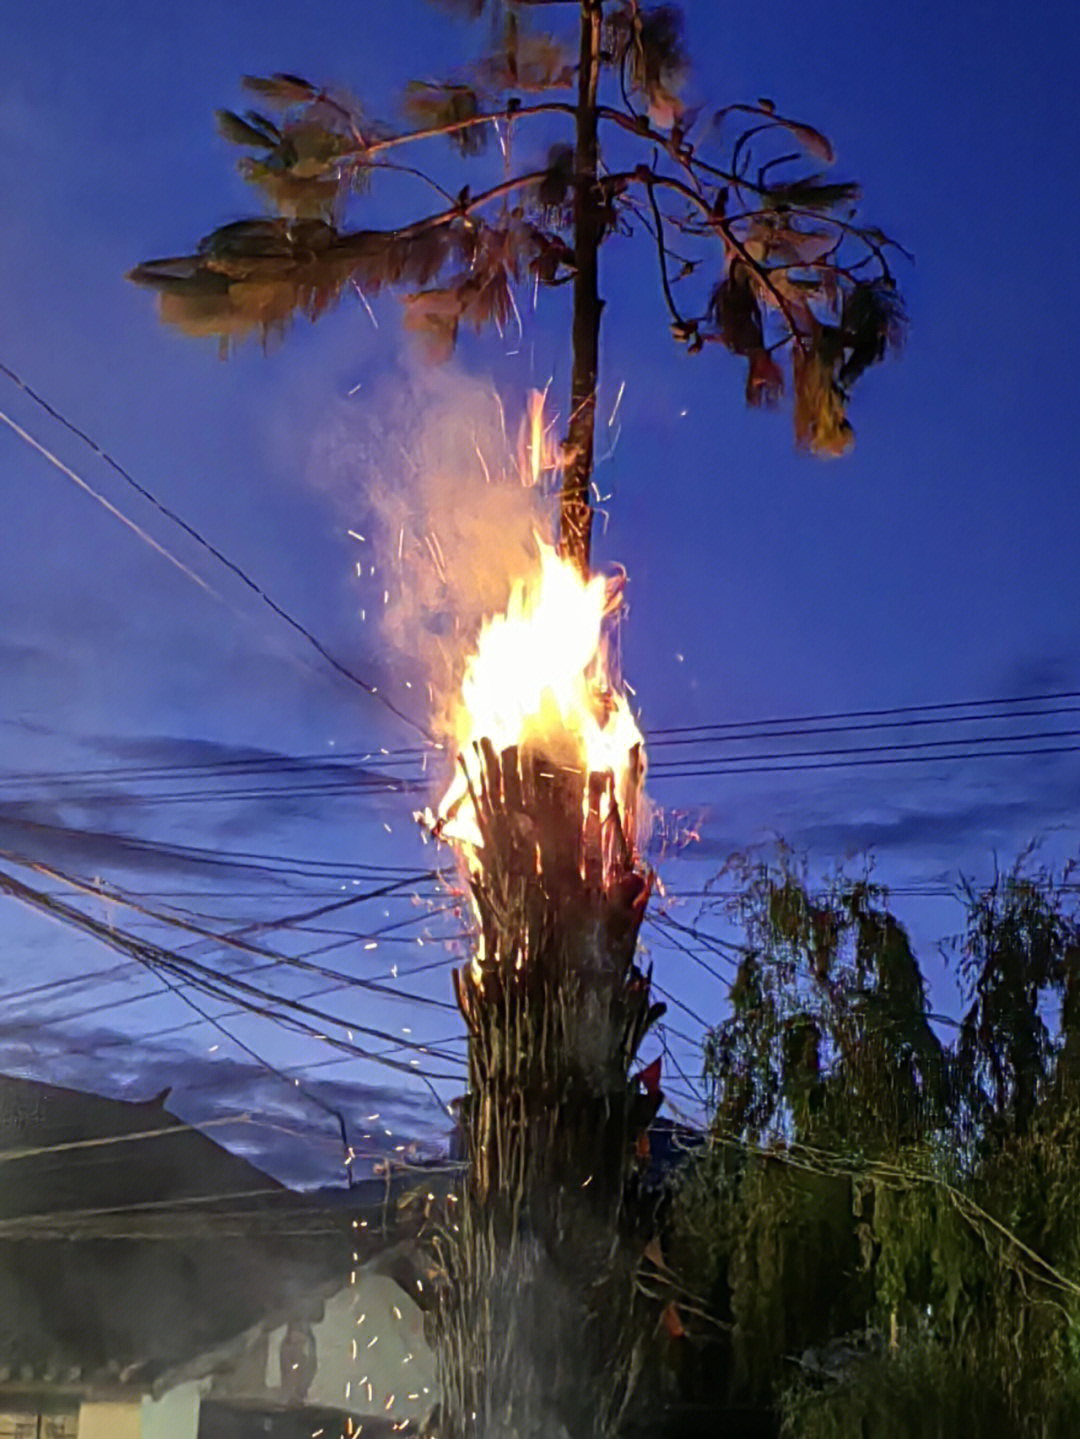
(426, 466)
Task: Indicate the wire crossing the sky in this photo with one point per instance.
(199, 539)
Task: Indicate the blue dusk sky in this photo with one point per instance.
(172, 736)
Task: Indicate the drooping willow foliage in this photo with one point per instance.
(537, 1324)
(885, 1226)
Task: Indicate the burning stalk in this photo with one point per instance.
(559, 904)
(536, 1316)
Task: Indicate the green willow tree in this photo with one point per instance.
(757, 249)
(883, 1233)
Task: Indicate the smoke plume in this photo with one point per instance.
(428, 467)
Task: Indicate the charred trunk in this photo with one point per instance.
(537, 1327)
(575, 510)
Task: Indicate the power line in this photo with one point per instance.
(342, 764)
(205, 544)
(250, 861)
(937, 707)
(660, 771)
(229, 988)
(100, 499)
(98, 889)
(340, 780)
(39, 1151)
(851, 762)
(274, 960)
(726, 733)
(239, 764)
(897, 746)
(661, 739)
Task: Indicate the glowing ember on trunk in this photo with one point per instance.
(539, 682)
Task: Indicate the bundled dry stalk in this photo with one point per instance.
(535, 1322)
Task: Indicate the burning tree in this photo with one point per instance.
(537, 1320)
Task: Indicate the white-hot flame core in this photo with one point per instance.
(539, 679)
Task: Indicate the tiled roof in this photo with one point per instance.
(63, 1152)
(130, 1242)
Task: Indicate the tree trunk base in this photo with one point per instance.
(535, 1318)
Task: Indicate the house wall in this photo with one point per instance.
(174, 1416)
(371, 1353)
(17, 1422)
(110, 1421)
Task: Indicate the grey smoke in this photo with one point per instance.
(425, 465)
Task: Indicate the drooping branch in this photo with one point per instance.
(454, 127)
(724, 226)
(256, 274)
(662, 259)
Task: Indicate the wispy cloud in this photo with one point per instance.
(290, 1130)
(88, 816)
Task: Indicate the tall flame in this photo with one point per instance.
(539, 679)
(537, 452)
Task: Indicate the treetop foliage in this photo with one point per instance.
(758, 249)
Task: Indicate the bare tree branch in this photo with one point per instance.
(662, 256)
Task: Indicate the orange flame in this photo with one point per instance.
(539, 679)
(537, 454)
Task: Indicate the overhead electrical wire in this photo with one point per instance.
(272, 960)
(338, 779)
(660, 771)
(234, 939)
(110, 893)
(817, 766)
(937, 706)
(323, 776)
(727, 733)
(169, 967)
(249, 861)
(199, 539)
(100, 499)
(838, 757)
(431, 1048)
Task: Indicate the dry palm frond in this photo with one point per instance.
(820, 422)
